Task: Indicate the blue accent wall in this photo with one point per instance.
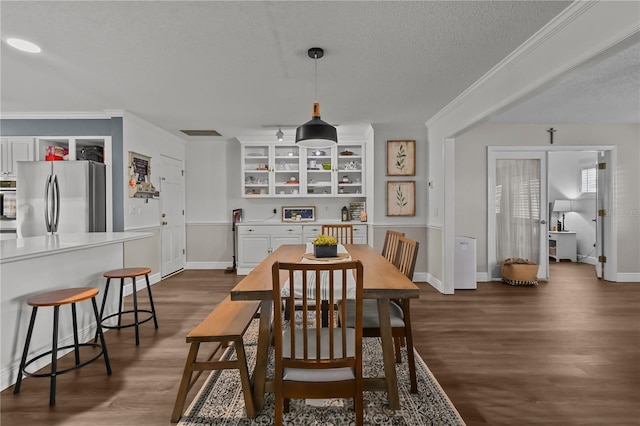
(80, 127)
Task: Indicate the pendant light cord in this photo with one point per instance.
(315, 60)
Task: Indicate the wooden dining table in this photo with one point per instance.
(382, 281)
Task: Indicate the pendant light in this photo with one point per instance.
(279, 135)
(316, 133)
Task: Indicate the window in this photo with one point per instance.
(588, 180)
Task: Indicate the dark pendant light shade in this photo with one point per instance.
(316, 133)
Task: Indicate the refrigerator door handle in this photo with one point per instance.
(47, 210)
(56, 194)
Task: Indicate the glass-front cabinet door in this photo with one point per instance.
(286, 170)
(349, 164)
(256, 166)
(320, 171)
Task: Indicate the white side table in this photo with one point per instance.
(563, 245)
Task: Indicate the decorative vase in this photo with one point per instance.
(325, 251)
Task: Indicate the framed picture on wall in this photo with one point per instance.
(401, 158)
(401, 198)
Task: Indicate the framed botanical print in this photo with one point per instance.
(401, 198)
(401, 158)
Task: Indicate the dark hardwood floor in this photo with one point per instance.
(566, 352)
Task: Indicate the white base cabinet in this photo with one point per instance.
(256, 242)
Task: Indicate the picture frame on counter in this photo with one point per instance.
(299, 214)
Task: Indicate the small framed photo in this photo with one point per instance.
(401, 158)
(401, 198)
(299, 214)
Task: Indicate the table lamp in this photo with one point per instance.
(562, 206)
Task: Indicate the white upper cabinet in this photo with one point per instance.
(13, 150)
(288, 170)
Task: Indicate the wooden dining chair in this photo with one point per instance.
(390, 246)
(313, 361)
(399, 313)
(343, 233)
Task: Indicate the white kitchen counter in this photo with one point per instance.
(46, 245)
(35, 265)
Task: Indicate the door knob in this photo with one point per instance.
(164, 222)
(164, 215)
(543, 222)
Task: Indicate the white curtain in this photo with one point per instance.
(517, 209)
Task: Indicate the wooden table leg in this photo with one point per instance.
(388, 355)
(262, 353)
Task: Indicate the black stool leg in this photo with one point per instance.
(120, 302)
(76, 348)
(153, 309)
(99, 333)
(135, 309)
(16, 390)
(54, 356)
(104, 302)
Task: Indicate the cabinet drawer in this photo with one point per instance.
(269, 229)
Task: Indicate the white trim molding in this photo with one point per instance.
(630, 277)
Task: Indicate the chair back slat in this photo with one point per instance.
(406, 257)
(390, 246)
(343, 233)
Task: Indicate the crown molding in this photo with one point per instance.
(63, 115)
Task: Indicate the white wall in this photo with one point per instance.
(471, 178)
(144, 138)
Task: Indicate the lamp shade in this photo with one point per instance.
(562, 206)
(316, 133)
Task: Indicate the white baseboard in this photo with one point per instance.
(208, 265)
(482, 277)
(631, 277)
(420, 277)
(435, 283)
(589, 260)
(9, 373)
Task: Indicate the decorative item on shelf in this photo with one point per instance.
(346, 152)
(345, 179)
(345, 214)
(325, 246)
(316, 133)
(326, 166)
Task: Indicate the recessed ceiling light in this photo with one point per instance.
(24, 45)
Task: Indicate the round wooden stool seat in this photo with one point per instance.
(127, 273)
(122, 274)
(63, 297)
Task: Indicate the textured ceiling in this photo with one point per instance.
(239, 66)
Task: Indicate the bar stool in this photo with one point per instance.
(56, 299)
(122, 274)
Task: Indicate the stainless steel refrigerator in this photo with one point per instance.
(60, 197)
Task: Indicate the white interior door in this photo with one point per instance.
(172, 216)
(534, 215)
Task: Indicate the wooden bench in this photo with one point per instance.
(227, 323)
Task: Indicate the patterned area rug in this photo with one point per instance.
(220, 401)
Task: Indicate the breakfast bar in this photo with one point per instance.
(37, 264)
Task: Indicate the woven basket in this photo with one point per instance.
(519, 272)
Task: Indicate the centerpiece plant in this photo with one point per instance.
(325, 246)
